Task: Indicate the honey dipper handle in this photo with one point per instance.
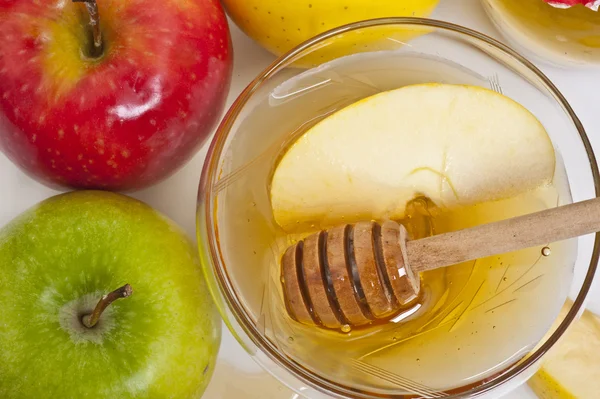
(521, 232)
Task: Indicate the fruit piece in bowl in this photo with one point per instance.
(593, 4)
(373, 157)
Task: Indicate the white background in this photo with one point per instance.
(237, 376)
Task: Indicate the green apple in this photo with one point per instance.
(457, 145)
(58, 260)
(571, 369)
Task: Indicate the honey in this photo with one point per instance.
(472, 320)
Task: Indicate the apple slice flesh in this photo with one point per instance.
(455, 144)
(571, 369)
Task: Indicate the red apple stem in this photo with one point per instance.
(90, 320)
(92, 9)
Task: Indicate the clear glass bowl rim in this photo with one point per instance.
(216, 268)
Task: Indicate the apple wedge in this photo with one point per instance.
(571, 370)
(457, 145)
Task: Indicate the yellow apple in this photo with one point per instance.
(281, 25)
(571, 370)
(457, 145)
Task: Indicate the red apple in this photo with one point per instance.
(123, 118)
(593, 4)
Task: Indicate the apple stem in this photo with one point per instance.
(92, 9)
(90, 320)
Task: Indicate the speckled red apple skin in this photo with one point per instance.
(121, 122)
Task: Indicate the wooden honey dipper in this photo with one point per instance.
(352, 275)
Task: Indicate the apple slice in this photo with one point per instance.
(593, 4)
(455, 144)
(571, 369)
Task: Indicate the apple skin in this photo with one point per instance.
(571, 3)
(57, 259)
(125, 120)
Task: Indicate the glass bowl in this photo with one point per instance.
(240, 245)
(567, 37)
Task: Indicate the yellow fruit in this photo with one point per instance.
(457, 145)
(280, 25)
(571, 370)
(547, 387)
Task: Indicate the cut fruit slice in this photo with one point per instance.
(457, 145)
(571, 370)
(593, 4)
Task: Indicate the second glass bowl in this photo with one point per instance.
(568, 37)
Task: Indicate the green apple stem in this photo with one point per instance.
(90, 320)
(92, 9)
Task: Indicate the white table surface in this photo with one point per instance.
(237, 376)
